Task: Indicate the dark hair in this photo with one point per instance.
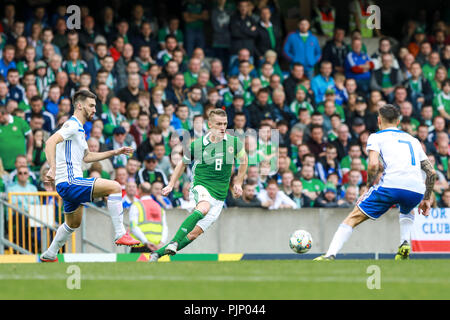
(316, 126)
(12, 70)
(263, 90)
(82, 95)
(36, 98)
(389, 113)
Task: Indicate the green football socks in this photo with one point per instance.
(183, 243)
(181, 235)
(188, 225)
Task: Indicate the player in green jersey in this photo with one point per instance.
(213, 156)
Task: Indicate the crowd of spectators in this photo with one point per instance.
(158, 77)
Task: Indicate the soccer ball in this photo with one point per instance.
(300, 241)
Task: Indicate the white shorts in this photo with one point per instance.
(199, 193)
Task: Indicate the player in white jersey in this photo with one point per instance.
(401, 183)
(66, 150)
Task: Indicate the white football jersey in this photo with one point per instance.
(401, 155)
(70, 152)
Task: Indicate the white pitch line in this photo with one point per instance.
(225, 278)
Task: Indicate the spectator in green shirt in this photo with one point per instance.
(429, 68)
(312, 187)
(173, 28)
(353, 152)
(191, 75)
(195, 14)
(441, 101)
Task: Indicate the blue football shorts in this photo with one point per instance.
(378, 200)
(74, 194)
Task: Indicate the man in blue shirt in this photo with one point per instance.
(16, 91)
(322, 81)
(7, 61)
(303, 47)
(358, 66)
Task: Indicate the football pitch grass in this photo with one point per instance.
(243, 280)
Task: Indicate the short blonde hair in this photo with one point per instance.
(216, 112)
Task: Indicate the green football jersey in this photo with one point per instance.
(213, 162)
(13, 141)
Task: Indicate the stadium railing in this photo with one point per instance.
(31, 222)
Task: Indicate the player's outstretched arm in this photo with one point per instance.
(243, 164)
(50, 154)
(425, 205)
(179, 169)
(98, 156)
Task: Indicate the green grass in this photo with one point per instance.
(298, 280)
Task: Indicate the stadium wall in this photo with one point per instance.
(262, 231)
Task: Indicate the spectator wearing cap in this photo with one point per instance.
(361, 111)
(261, 109)
(358, 127)
(149, 172)
(323, 81)
(303, 47)
(358, 65)
(328, 198)
(118, 141)
(418, 39)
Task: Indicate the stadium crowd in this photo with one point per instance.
(156, 78)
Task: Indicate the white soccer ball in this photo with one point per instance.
(300, 241)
